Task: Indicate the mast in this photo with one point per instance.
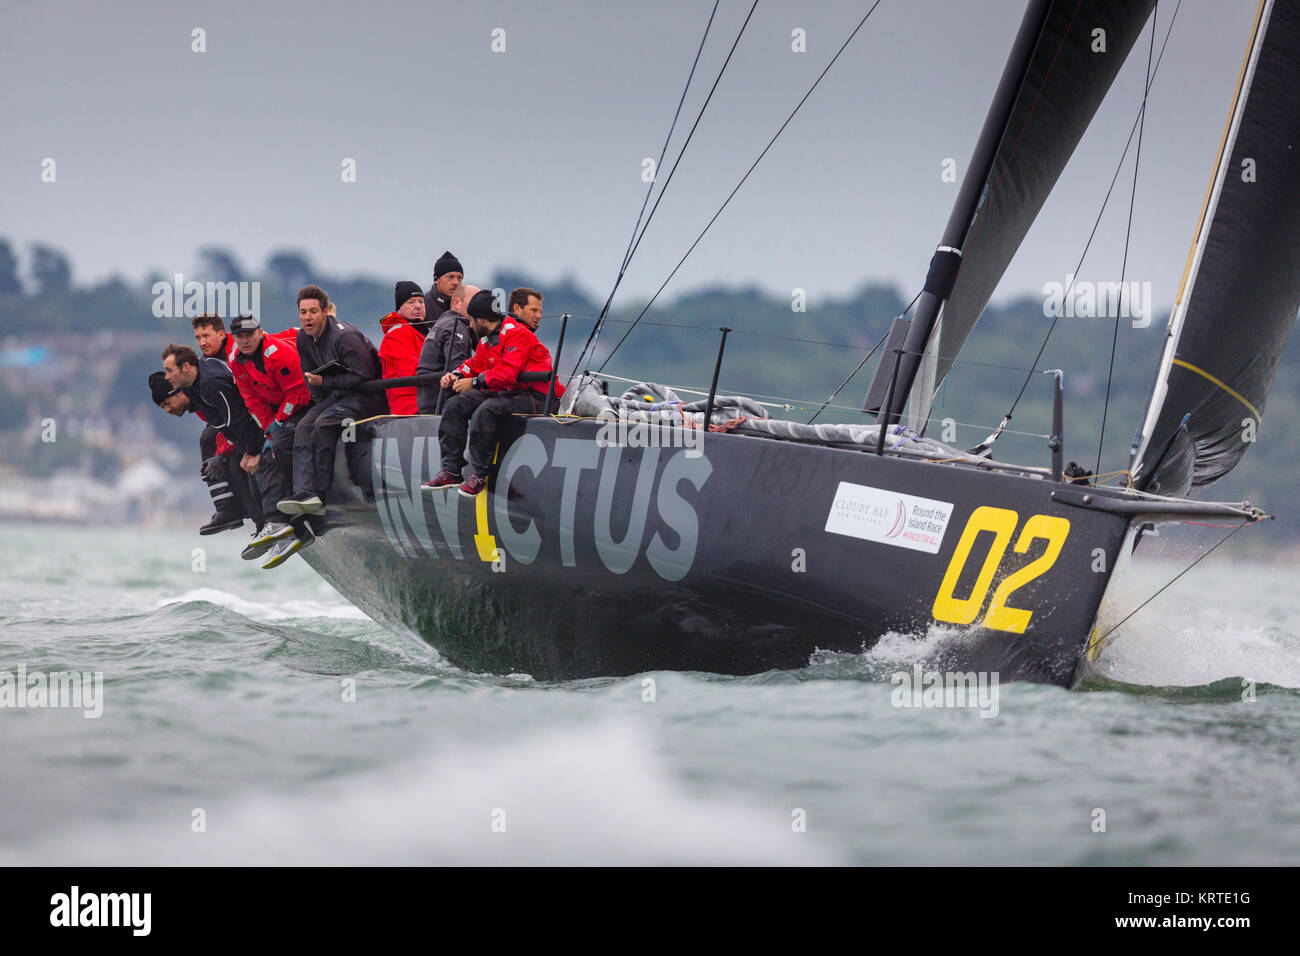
(1065, 57)
(946, 261)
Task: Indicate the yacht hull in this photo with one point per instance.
(738, 556)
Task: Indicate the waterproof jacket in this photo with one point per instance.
(450, 343)
(223, 447)
(270, 380)
(215, 396)
(510, 350)
(435, 305)
(399, 356)
(346, 344)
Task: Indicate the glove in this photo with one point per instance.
(266, 446)
(273, 428)
(213, 470)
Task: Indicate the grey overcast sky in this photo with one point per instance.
(533, 157)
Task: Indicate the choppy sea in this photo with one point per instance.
(257, 717)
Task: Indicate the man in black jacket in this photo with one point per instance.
(447, 277)
(450, 342)
(232, 495)
(336, 357)
(211, 391)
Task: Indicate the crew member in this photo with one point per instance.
(213, 395)
(211, 338)
(405, 332)
(448, 274)
(526, 306)
(336, 358)
(450, 342)
(270, 381)
(212, 341)
(217, 466)
(487, 388)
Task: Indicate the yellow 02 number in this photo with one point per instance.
(1002, 523)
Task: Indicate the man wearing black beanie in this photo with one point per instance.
(231, 491)
(488, 390)
(399, 353)
(448, 274)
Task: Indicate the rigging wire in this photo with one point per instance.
(632, 239)
(1051, 328)
(638, 231)
(1128, 233)
(864, 361)
(677, 162)
(1101, 640)
(830, 398)
(743, 179)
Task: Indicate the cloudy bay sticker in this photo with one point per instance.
(888, 517)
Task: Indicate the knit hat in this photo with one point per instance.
(447, 263)
(483, 306)
(159, 388)
(405, 290)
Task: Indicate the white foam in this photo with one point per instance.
(602, 796)
(1231, 620)
(1192, 650)
(269, 610)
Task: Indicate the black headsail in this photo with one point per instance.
(1062, 63)
(1241, 288)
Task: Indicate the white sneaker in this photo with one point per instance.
(271, 532)
(283, 549)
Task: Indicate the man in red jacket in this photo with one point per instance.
(404, 334)
(487, 389)
(270, 380)
(211, 338)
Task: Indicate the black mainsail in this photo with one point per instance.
(1241, 288)
(1050, 90)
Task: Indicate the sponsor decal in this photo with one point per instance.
(888, 517)
(656, 523)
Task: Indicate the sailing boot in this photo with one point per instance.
(228, 513)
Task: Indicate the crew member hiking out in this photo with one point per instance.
(336, 358)
(216, 465)
(269, 377)
(450, 342)
(212, 341)
(404, 336)
(211, 338)
(487, 389)
(448, 274)
(211, 391)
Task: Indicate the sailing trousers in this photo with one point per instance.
(479, 414)
(231, 488)
(317, 436)
(275, 470)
